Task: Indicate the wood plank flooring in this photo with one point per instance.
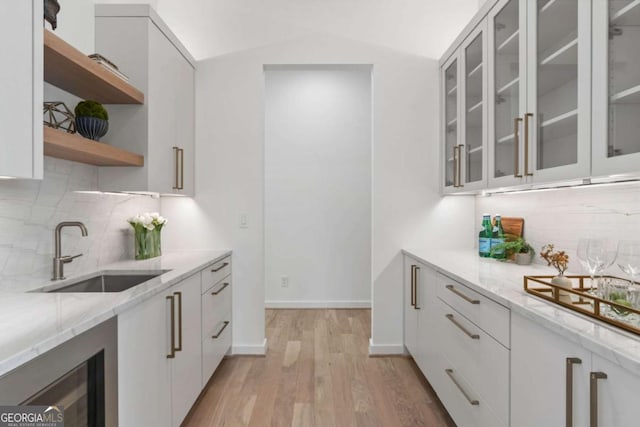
(317, 373)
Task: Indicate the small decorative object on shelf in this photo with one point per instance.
(147, 228)
(51, 9)
(92, 120)
(560, 261)
(516, 248)
(58, 116)
(108, 65)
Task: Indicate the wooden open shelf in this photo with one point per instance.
(63, 145)
(70, 70)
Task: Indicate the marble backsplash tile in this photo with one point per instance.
(30, 210)
(562, 216)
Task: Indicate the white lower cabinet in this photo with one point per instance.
(556, 382)
(164, 360)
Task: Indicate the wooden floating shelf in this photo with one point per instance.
(63, 145)
(70, 70)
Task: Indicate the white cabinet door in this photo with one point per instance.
(616, 396)
(473, 150)
(411, 271)
(450, 125)
(186, 367)
(616, 88)
(21, 87)
(557, 124)
(144, 370)
(507, 97)
(427, 338)
(163, 129)
(544, 367)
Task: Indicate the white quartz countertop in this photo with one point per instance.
(504, 283)
(32, 323)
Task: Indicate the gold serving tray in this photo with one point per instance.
(580, 300)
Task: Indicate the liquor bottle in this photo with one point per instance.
(484, 238)
(497, 238)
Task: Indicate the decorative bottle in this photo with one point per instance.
(484, 238)
(497, 238)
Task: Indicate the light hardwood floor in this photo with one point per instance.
(317, 373)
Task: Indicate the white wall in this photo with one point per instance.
(318, 186)
(30, 210)
(407, 209)
(562, 216)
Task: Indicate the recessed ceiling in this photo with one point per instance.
(215, 27)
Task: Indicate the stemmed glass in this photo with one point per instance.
(596, 255)
(629, 262)
(584, 260)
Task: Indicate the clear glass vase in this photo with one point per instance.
(148, 243)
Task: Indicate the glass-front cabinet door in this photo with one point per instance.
(557, 123)
(472, 150)
(507, 91)
(450, 86)
(616, 87)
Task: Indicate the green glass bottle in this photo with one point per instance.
(497, 238)
(484, 238)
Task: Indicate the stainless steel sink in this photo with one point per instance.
(107, 281)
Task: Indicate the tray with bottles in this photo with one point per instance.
(615, 301)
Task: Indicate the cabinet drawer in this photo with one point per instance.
(481, 360)
(216, 304)
(214, 349)
(490, 316)
(457, 396)
(215, 273)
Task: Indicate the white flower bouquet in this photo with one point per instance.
(147, 228)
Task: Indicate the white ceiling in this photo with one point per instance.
(215, 27)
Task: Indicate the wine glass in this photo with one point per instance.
(601, 253)
(629, 258)
(584, 260)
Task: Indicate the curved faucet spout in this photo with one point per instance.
(58, 259)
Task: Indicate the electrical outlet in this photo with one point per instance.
(284, 281)
(244, 223)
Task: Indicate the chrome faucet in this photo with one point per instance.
(58, 260)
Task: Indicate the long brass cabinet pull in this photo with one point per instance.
(460, 184)
(220, 289)
(455, 167)
(516, 147)
(526, 144)
(179, 296)
(593, 391)
(462, 328)
(415, 288)
(215, 270)
(462, 295)
(176, 182)
(224, 325)
(172, 352)
(413, 285)
(181, 169)
(569, 389)
(471, 401)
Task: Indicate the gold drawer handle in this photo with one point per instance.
(224, 285)
(224, 325)
(569, 389)
(172, 352)
(179, 295)
(462, 295)
(215, 270)
(462, 328)
(464, 393)
(593, 391)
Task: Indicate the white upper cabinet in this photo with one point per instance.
(557, 123)
(137, 40)
(507, 94)
(464, 98)
(616, 87)
(21, 87)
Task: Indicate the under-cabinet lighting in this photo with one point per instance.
(7, 177)
(117, 193)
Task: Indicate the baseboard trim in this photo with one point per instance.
(250, 350)
(386, 349)
(317, 304)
